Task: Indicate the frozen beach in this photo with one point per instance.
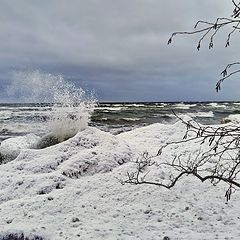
(71, 191)
(116, 122)
(63, 165)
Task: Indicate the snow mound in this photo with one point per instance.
(151, 138)
(233, 118)
(11, 147)
(39, 171)
(55, 193)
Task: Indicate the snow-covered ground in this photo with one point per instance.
(234, 118)
(72, 191)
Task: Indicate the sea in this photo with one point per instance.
(19, 119)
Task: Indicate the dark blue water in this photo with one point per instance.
(20, 119)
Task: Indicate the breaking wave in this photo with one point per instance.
(71, 106)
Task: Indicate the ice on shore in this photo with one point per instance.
(11, 147)
(233, 118)
(71, 191)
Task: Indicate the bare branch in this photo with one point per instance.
(220, 163)
(210, 29)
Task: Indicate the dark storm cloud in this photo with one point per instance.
(116, 47)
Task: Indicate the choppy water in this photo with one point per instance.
(20, 119)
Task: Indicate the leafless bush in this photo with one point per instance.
(218, 161)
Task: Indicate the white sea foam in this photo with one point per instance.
(131, 119)
(217, 105)
(184, 106)
(110, 109)
(136, 105)
(208, 114)
(161, 106)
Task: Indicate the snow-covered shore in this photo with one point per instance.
(71, 191)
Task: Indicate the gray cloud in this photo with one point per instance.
(117, 47)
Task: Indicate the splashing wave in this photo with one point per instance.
(72, 106)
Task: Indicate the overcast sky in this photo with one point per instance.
(118, 48)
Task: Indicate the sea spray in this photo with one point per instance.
(71, 109)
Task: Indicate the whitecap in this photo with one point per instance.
(208, 114)
(131, 119)
(217, 105)
(184, 106)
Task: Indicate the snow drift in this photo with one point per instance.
(71, 191)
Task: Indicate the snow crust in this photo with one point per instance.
(71, 191)
(234, 118)
(11, 147)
